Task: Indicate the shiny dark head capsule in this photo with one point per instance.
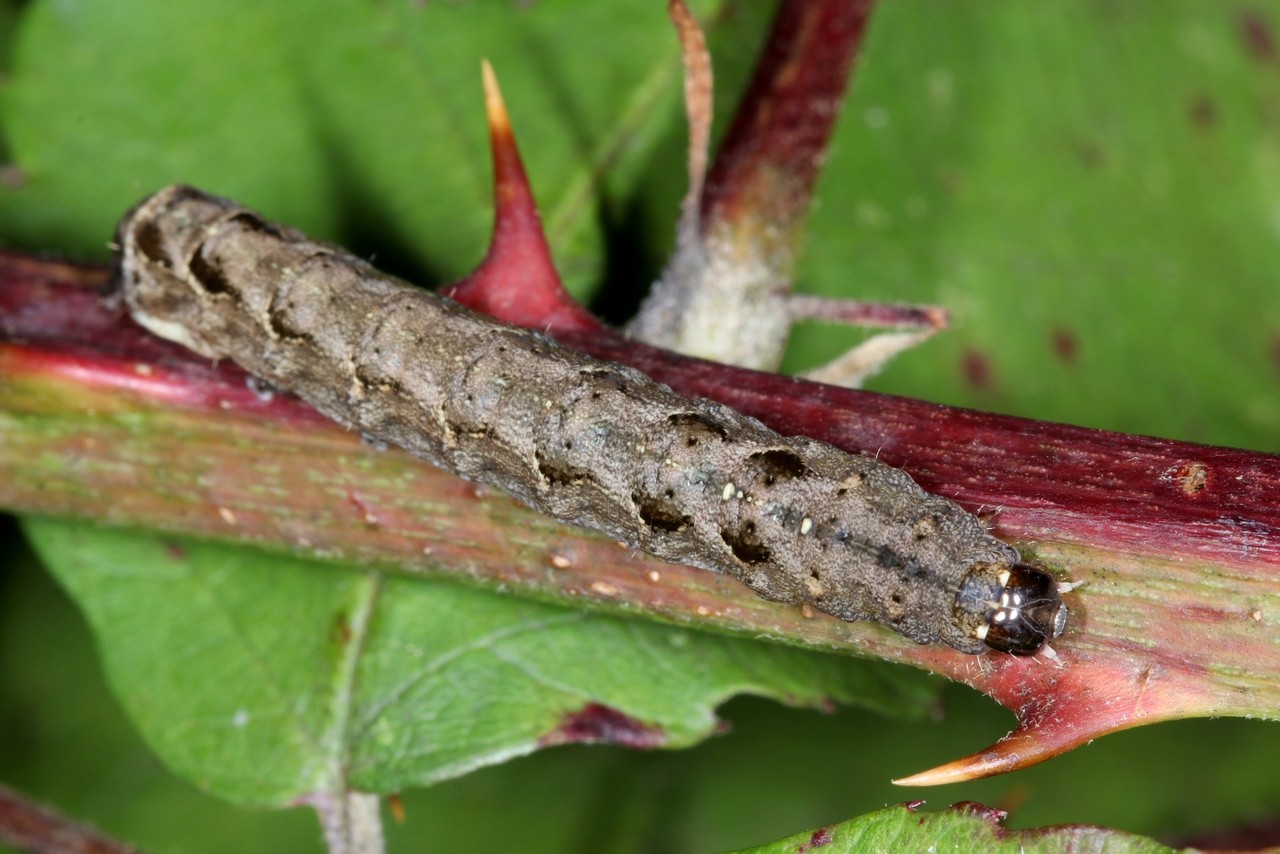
(1023, 608)
(1028, 613)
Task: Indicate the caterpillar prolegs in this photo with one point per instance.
(588, 442)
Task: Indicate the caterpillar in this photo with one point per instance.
(589, 442)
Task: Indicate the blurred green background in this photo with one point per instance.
(1092, 188)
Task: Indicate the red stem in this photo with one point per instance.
(773, 151)
(1179, 543)
(29, 826)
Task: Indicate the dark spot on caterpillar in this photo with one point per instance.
(210, 277)
(278, 320)
(888, 558)
(558, 474)
(913, 570)
(896, 610)
(600, 375)
(777, 465)
(603, 376)
(367, 375)
(252, 222)
(150, 240)
(926, 527)
(746, 545)
(839, 532)
(481, 433)
(660, 513)
(149, 235)
(697, 427)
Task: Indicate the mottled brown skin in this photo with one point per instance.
(588, 442)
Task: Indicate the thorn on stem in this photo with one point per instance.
(517, 282)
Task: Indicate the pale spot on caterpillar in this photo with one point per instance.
(585, 441)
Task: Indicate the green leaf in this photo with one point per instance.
(202, 94)
(963, 828)
(1091, 193)
(363, 122)
(267, 679)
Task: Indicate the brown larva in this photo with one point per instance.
(591, 443)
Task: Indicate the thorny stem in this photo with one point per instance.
(1177, 542)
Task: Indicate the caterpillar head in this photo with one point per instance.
(1022, 607)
